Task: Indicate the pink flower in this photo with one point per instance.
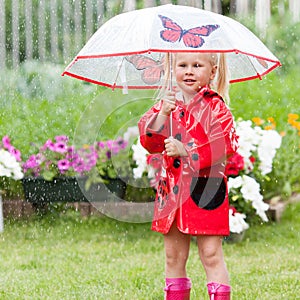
(48, 145)
(63, 165)
(6, 142)
(60, 147)
(62, 138)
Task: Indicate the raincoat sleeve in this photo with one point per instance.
(213, 137)
(153, 140)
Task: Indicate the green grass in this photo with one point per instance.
(62, 256)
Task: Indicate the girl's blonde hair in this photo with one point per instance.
(220, 82)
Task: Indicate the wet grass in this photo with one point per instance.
(62, 256)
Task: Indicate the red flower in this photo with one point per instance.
(234, 211)
(252, 159)
(234, 165)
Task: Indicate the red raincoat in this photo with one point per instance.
(192, 189)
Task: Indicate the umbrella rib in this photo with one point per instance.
(118, 73)
(251, 63)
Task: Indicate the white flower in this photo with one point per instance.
(131, 132)
(251, 192)
(9, 167)
(234, 183)
(237, 223)
(250, 188)
(265, 142)
(266, 149)
(248, 138)
(140, 157)
(261, 208)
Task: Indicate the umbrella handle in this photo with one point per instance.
(171, 124)
(171, 87)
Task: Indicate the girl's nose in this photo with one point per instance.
(188, 70)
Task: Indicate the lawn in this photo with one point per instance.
(63, 256)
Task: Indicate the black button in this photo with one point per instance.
(195, 156)
(175, 189)
(176, 163)
(178, 136)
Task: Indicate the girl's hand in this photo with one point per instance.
(174, 147)
(168, 103)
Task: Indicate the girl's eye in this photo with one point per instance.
(182, 65)
(197, 65)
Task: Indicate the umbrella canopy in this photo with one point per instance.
(129, 49)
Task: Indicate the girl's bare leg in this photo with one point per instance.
(211, 256)
(177, 246)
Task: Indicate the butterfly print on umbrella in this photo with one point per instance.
(152, 70)
(191, 37)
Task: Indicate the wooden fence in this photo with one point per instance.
(55, 30)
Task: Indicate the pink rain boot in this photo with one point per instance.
(218, 291)
(178, 288)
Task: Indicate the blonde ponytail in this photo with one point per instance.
(222, 78)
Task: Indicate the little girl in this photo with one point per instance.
(192, 195)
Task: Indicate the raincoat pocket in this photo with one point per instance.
(208, 193)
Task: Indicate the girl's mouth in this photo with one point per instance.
(189, 80)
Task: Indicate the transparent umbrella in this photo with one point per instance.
(128, 50)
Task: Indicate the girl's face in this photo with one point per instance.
(193, 71)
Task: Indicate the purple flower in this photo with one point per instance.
(101, 145)
(60, 147)
(48, 145)
(31, 162)
(115, 149)
(109, 144)
(121, 142)
(61, 138)
(63, 165)
(79, 166)
(108, 154)
(15, 152)
(6, 142)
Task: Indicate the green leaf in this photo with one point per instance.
(48, 175)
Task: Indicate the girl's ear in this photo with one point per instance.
(213, 72)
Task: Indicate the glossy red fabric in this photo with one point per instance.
(192, 189)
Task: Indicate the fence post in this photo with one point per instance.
(66, 32)
(1, 214)
(262, 15)
(28, 29)
(129, 5)
(42, 30)
(294, 7)
(77, 22)
(89, 20)
(2, 35)
(149, 3)
(242, 7)
(54, 30)
(15, 33)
